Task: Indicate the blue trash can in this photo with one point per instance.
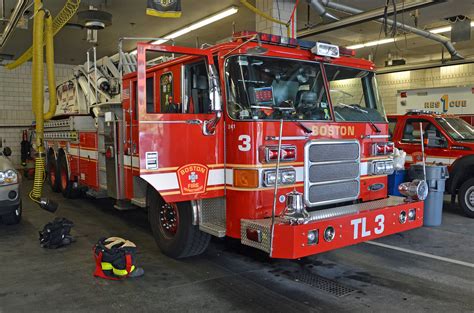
(394, 180)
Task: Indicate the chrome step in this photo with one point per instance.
(140, 202)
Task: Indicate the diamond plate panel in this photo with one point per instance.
(264, 226)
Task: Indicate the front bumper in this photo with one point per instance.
(8, 205)
(352, 224)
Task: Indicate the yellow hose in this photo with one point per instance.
(265, 15)
(41, 35)
(37, 191)
(68, 11)
(50, 66)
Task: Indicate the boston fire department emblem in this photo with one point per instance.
(193, 178)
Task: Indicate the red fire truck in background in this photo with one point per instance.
(278, 142)
(449, 141)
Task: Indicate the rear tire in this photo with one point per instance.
(466, 197)
(172, 227)
(53, 173)
(65, 184)
(14, 217)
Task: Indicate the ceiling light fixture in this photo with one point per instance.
(199, 24)
(438, 30)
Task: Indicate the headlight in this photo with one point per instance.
(383, 167)
(285, 177)
(8, 177)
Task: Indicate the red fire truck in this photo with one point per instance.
(449, 141)
(278, 142)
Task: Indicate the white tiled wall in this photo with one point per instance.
(15, 103)
(446, 76)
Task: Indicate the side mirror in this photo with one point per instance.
(7, 151)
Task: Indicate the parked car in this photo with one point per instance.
(10, 200)
(448, 140)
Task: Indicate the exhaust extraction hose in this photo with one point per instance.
(42, 32)
(66, 13)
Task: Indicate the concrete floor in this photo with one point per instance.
(230, 277)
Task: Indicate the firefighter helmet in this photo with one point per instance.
(115, 259)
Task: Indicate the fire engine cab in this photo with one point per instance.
(278, 142)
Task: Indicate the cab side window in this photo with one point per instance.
(391, 126)
(412, 130)
(150, 97)
(196, 83)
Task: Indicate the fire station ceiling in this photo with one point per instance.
(129, 19)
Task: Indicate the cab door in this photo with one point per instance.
(180, 138)
(410, 142)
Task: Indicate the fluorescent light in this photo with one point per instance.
(444, 29)
(438, 30)
(371, 43)
(199, 24)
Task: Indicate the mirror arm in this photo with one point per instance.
(209, 126)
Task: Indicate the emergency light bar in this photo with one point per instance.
(319, 48)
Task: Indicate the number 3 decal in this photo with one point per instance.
(379, 219)
(245, 145)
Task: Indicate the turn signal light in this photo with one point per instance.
(383, 148)
(287, 153)
(246, 178)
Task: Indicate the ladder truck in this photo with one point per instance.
(278, 142)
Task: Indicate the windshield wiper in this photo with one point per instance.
(366, 114)
(307, 130)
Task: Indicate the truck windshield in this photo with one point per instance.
(264, 88)
(354, 94)
(457, 128)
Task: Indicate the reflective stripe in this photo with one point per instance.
(106, 266)
(122, 272)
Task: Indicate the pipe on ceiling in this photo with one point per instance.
(321, 10)
(365, 17)
(17, 13)
(422, 33)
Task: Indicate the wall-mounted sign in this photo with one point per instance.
(450, 100)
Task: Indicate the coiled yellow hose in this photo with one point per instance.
(37, 191)
(68, 11)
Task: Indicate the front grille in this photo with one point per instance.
(332, 171)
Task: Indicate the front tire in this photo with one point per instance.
(14, 217)
(466, 197)
(172, 227)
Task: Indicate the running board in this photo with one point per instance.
(212, 216)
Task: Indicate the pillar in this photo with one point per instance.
(278, 9)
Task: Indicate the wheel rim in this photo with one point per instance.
(63, 178)
(52, 173)
(169, 219)
(469, 198)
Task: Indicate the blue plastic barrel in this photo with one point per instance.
(394, 180)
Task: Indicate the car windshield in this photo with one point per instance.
(457, 128)
(264, 88)
(354, 94)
